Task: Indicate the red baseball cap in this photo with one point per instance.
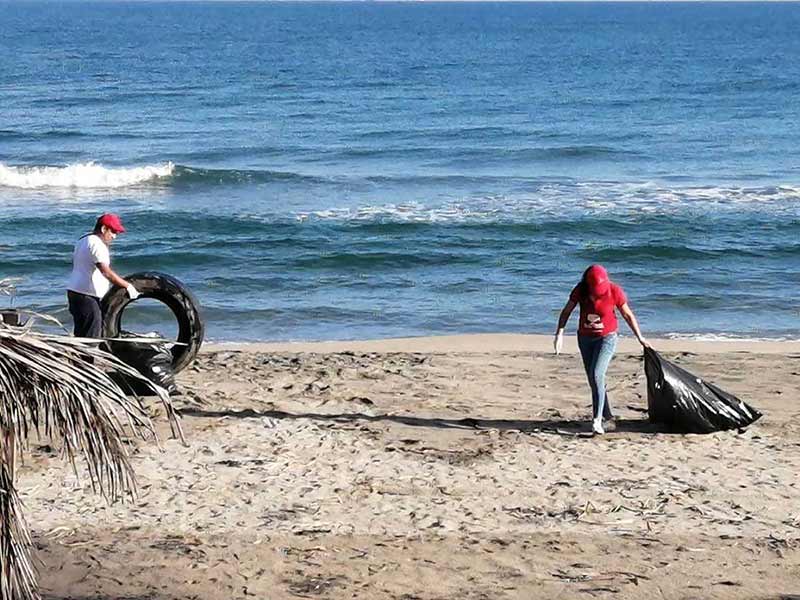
(112, 221)
(597, 280)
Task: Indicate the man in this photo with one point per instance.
(92, 276)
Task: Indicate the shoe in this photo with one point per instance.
(597, 427)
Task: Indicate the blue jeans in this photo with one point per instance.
(597, 353)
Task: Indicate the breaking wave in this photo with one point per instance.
(90, 175)
(81, 175)
(619, 202)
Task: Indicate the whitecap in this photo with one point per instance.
(573, 200)
(726, 337)
(81, 175)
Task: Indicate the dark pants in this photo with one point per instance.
(597, 353)
(86, 315)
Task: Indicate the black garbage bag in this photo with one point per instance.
(151, 359)
(687, 404)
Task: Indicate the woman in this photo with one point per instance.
(92, 276)
(597, 332)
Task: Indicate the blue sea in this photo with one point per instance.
(327, 170)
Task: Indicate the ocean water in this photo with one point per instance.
(359, 170)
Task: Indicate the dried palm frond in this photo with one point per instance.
(33, 316)
(17, 579)
(8, 285)
(60, 387)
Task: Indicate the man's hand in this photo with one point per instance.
(133, 293)
(558, 341)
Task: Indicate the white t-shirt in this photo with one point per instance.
(86, 278)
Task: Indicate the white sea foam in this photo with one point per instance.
(571, 199)
(82, 175)
(726, 337)
(407, 213)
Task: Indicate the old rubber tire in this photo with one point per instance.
(176, 296)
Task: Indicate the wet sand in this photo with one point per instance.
(437, 468)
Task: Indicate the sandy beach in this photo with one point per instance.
(437, 468)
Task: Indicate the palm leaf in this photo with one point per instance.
(60, 387)
(8, 285)
(17, 575)
(17, 579)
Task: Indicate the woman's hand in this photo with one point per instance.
(558, 341)
(644, 342)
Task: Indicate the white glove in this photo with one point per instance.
(133, 293)
(558, 341)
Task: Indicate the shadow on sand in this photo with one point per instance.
(102, 597)
(555, 426)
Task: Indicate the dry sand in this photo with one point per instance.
(453, 467)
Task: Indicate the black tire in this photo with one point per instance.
(176, 296)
